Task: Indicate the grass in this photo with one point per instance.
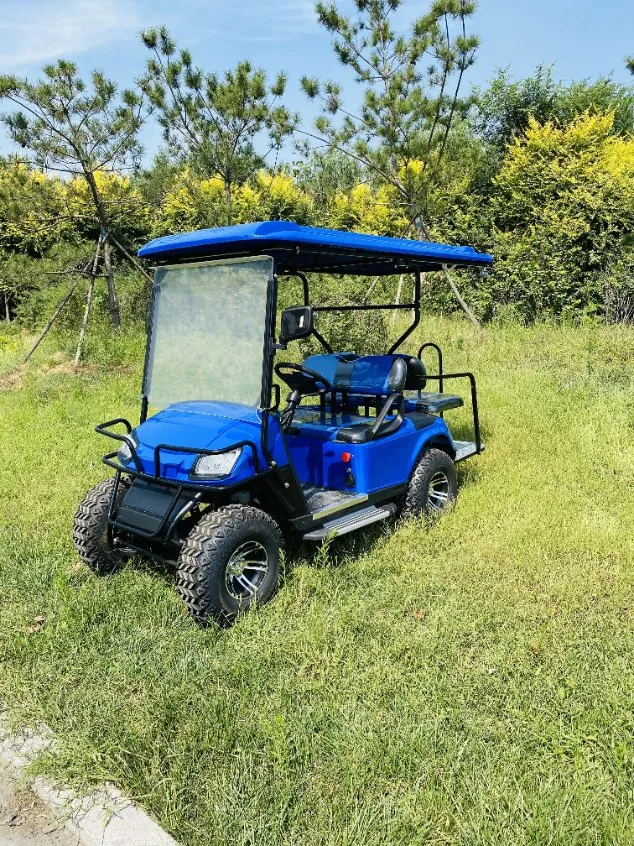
(466, 683)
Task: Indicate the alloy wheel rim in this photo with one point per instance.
(438, 491)
(246, 570)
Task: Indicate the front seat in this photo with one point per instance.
(375, 376)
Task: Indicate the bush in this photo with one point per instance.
(563, 212)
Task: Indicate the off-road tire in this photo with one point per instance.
(206, 552)
(91, 524)
(417, 497)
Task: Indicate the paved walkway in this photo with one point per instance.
(24, 820)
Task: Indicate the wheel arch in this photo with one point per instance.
(438, 441)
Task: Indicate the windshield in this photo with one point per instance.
(207, 332)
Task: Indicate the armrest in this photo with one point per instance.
(378, 425)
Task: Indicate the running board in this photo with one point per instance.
(465, 449)
(352, 522)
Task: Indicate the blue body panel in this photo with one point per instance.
(376, 465)
(206, 425)
(314, 453)
(314, 248)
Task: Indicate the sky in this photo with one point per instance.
(581, 38)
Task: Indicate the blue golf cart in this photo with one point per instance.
(220, 472)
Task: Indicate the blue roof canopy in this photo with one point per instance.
(307, 248)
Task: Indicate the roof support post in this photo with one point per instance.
(416, 321)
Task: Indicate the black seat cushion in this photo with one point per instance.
(416, 374)
(429, 403)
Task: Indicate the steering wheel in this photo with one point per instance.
(302, 379)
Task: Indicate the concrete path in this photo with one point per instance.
(24, 819)
(104, 817)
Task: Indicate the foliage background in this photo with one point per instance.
(539, 174)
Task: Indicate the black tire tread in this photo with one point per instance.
(89, 527)
(413, 496)
(196, 577)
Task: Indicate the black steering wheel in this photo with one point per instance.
(302, 379)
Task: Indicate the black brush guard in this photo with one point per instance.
(153, 506)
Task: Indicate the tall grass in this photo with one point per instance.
(465, 683)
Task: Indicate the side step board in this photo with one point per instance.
(465, 449)
(352, 522)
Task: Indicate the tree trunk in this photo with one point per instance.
(91, 289)
(7, 316)
(456, 294)
(130, 258)
(228, 199)
(399, 292)
(115, 315)
(370, 290)
(113, 303)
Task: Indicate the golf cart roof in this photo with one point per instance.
(308, 248)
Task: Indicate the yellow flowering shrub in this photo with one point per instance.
(367, 209)
(33, 215)
(126, 209)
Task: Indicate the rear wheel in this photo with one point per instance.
(433, 486)
(91, 526)
(229, 562)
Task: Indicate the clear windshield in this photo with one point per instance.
(208, 327)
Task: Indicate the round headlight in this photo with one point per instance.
(214, 466)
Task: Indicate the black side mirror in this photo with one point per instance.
(297, 322)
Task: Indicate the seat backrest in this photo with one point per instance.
(373, 375)
(416, 373)
(332, 366)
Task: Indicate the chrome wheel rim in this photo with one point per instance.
(438, 491)
(246, 570)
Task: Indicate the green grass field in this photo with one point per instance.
(468, 683)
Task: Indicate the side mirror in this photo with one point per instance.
(297, 322)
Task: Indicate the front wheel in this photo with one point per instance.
(433, 485)
(91, 526)
(230, 561)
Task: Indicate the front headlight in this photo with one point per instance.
(125, 453)
(216, 465)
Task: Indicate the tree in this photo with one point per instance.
(195, 203)
(411, 88)
(324, 173)
(214, 123)
(129, 213)
(33, 214)
(79, 129)
(502, 111)
(629, 63)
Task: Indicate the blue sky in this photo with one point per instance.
(582, 38)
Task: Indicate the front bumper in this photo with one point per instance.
(153, 505)
(150, 510)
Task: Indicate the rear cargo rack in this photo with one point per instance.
(440, 377)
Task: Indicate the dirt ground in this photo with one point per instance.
(24, 820)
